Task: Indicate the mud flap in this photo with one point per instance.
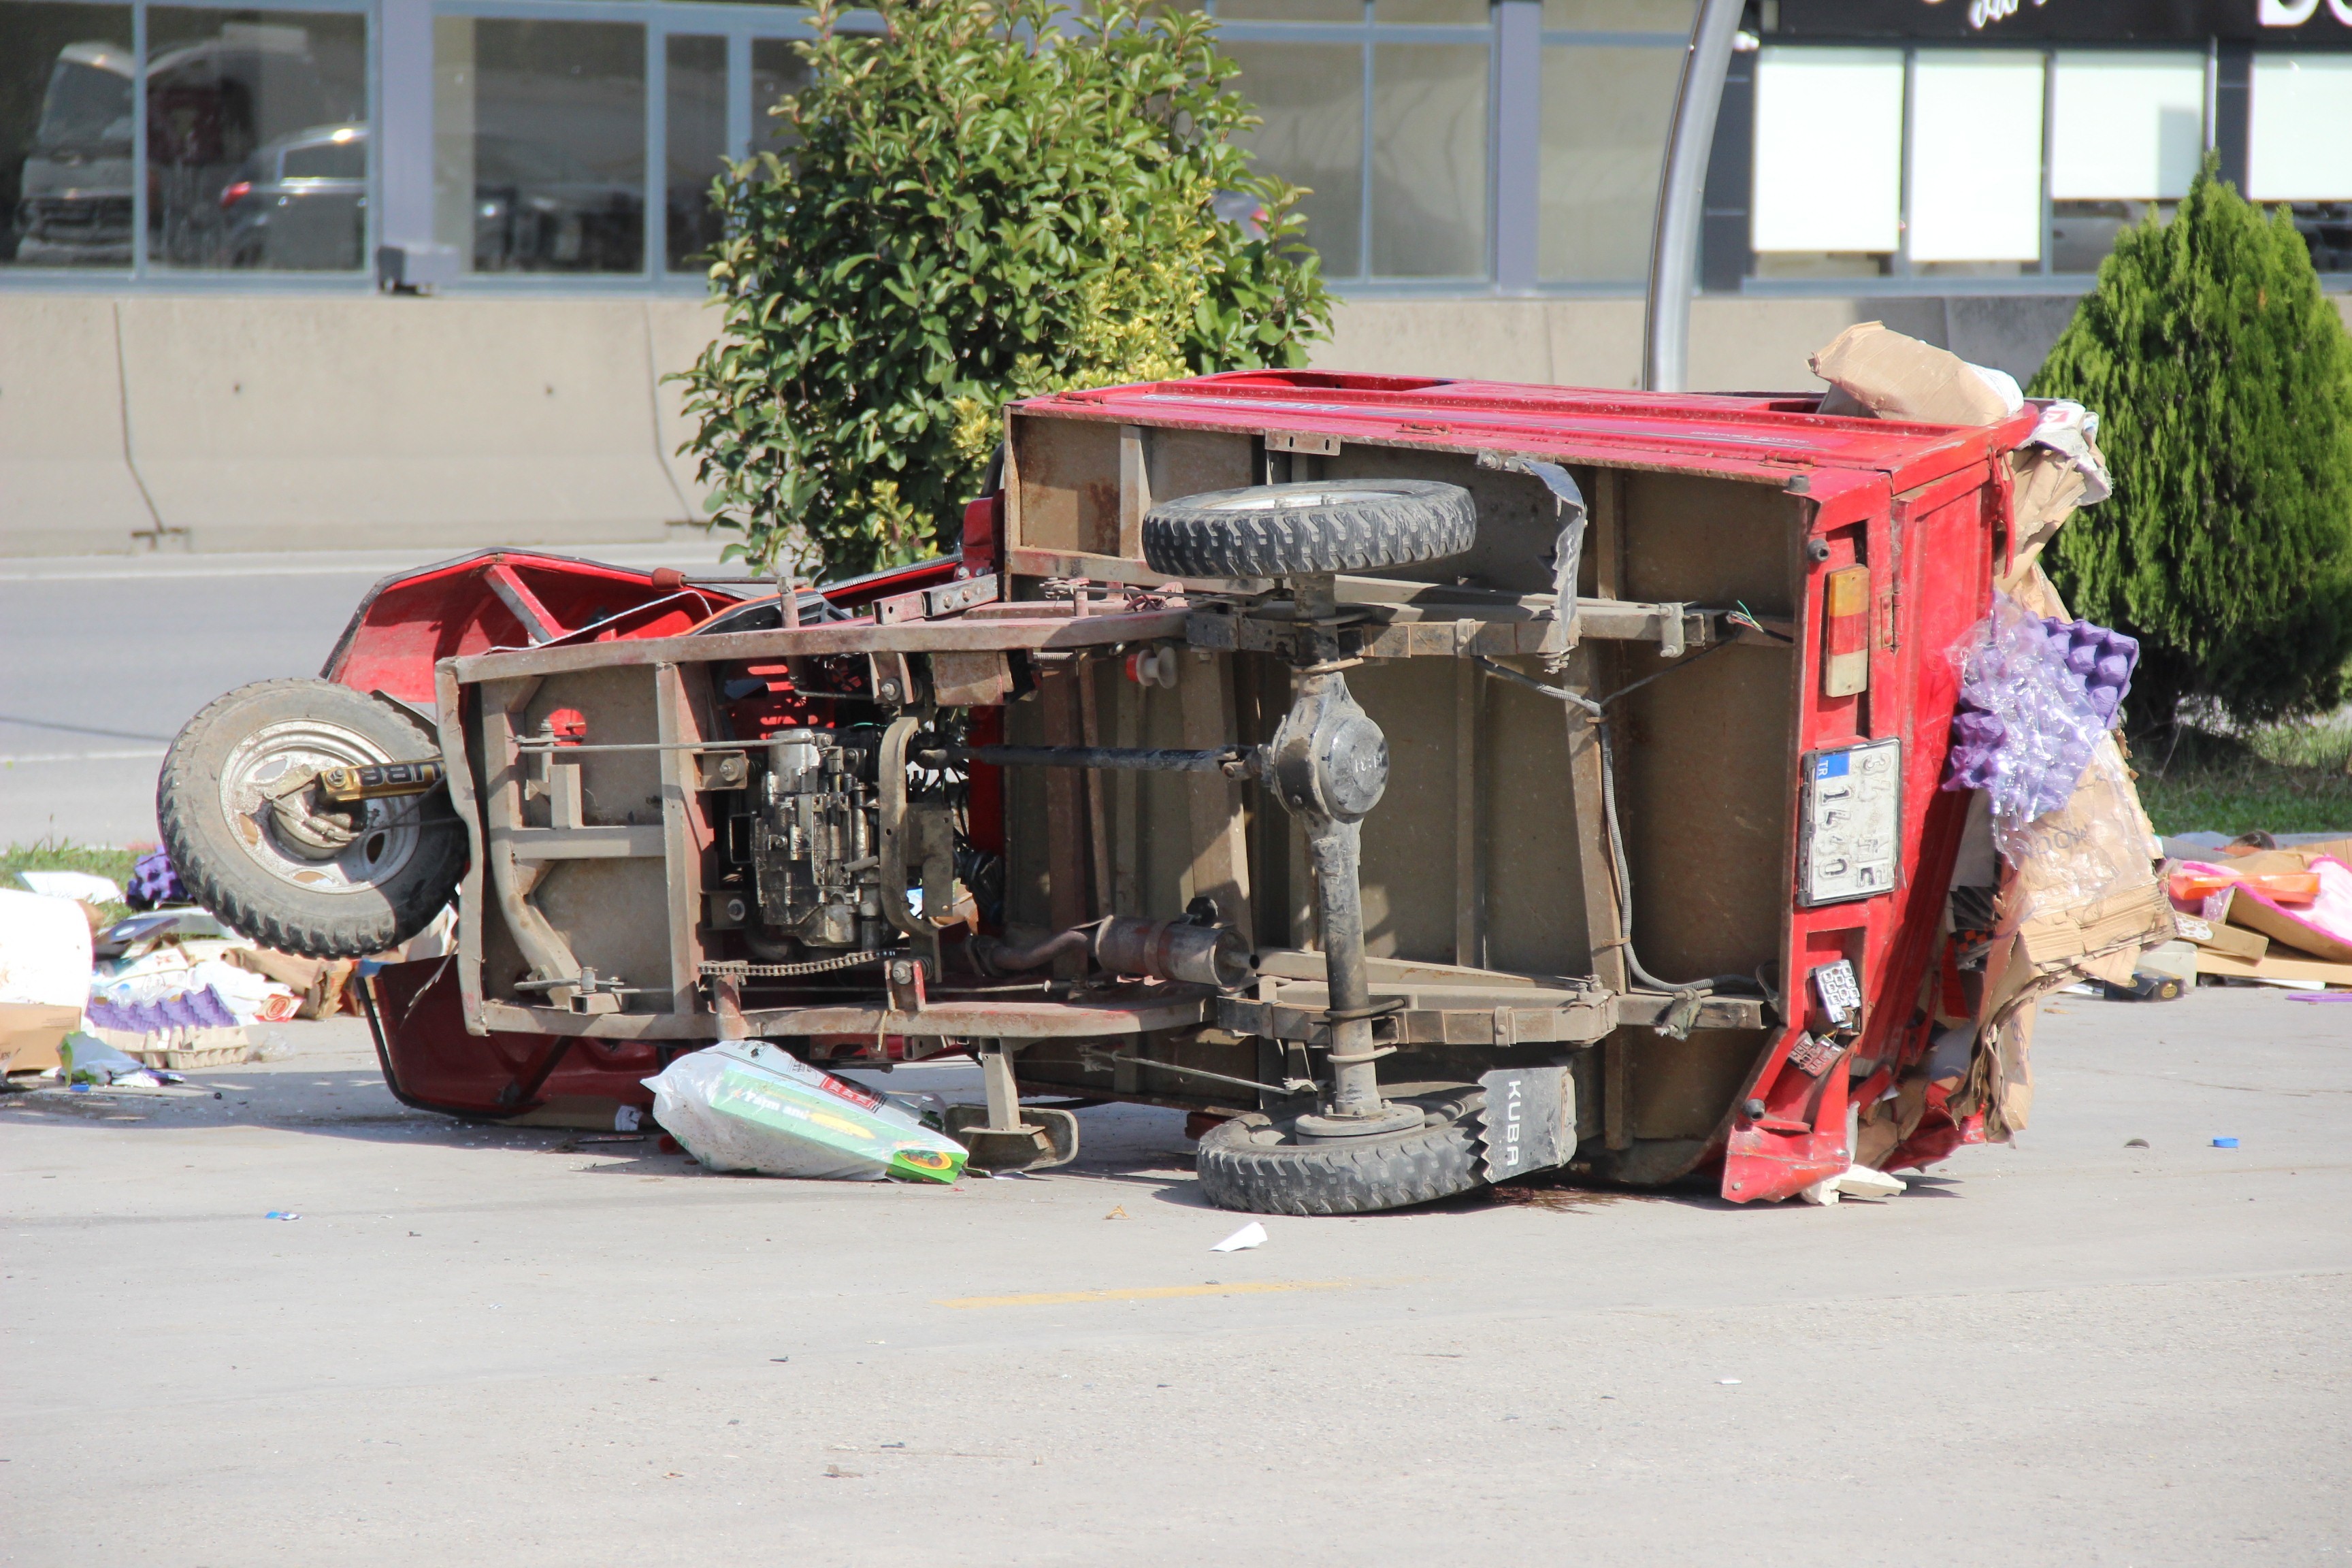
(1529, 1121)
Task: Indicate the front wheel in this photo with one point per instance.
(1260, 1165)
(277, 864)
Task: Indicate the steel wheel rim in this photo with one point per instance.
(389, 829)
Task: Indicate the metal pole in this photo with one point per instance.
(1681, 186)
(1335, 850)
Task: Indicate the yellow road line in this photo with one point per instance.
(1147, 1293)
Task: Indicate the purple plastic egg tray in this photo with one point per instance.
(2103, 660)
(2035, 694)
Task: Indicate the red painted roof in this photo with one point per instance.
(1755, 435)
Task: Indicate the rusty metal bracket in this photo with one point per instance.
(1567, 550)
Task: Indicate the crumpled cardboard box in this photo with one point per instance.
(1896, 377)
(30, 1033)
(1872, 370)
(2081, 905)
(2044, 491)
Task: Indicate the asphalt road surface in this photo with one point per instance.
(518, 1346)
(102, 660)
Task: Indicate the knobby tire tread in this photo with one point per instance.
(242, 896)
(1439, 1160)
(1391, 522)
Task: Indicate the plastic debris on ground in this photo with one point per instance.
(747, 1105)
(205, 983)
(180, 990)
(2280, 916)
(86, 1059)
(1250, 1235)
(172, 988)
(153, 883)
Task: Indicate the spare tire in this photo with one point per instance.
(1287, 531)
(295, 873)
(1257, 1165)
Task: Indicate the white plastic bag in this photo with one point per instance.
(747, 1105)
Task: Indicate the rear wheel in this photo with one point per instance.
(1260, 1165)
(281, 865)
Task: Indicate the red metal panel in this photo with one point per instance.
(409, 621)
(1931, 556)
(1744, 436)
(431, 1062)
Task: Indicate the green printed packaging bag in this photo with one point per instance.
(747, 1105)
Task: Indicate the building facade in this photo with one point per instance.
(195, 352)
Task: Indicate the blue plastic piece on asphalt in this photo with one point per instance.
(2225, 1142)
(280, 1213)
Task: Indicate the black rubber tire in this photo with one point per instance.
(238, 888)
(1441, 1158)
(1286, 530)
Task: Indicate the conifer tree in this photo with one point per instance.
(2223, 378)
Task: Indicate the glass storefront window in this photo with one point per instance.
(2299, 144)
(1311, 97)
(2127, 131)
(693, 142)
(257, 139)
(1605, 115)
(1828, 188)
(540, 144)
(66, 128)
(1975, 171)
(1429, 160)
(2300, 148)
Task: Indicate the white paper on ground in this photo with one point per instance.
(1250, 1235)
(44, 950)
(1853, 1182)
(1861, 1182)
(72, 885)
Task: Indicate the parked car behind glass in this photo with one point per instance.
(300, 203)
(74, 206)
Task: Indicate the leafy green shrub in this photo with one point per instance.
(994, 199)
(2223, 382)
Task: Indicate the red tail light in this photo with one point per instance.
(235, 193)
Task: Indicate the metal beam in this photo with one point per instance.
(1681, 186)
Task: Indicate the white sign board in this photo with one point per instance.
(1853, 824)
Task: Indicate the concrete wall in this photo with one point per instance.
(226, 423)
(1738, 344)
(241, 421)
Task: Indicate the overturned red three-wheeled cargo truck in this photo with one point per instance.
(1438, 780)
